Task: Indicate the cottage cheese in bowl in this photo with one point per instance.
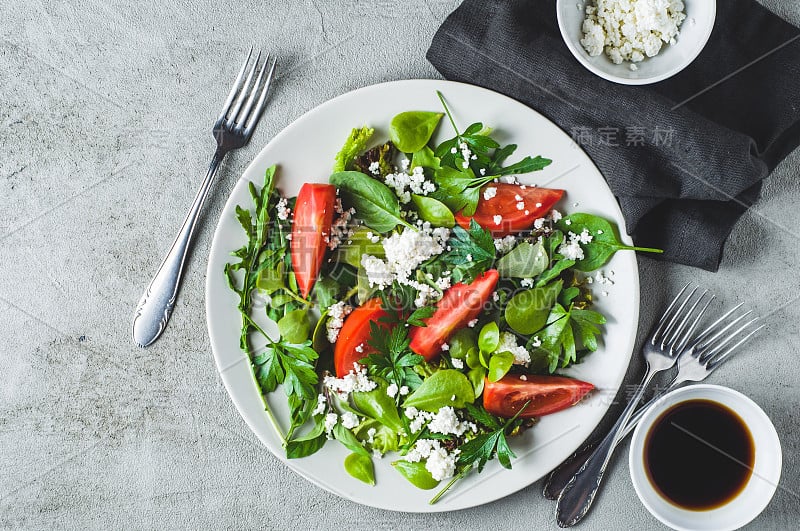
(630, 30)
(635, 41)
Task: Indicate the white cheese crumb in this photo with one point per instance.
(497, 219)
(457, 363)
(472, 323)
(439, 463)
(508, 343)
(349, 420)
(489, 193)
(375, 168)
(336, 314)
(445, 347)
(404, 390)
(520, 206)
(330, 421)
(282, 209)
(504, 245)
(526, 282)
(321, 401)
(523, 377)
(354, 381)
(392, 390)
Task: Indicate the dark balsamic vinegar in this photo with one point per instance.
(699, 455)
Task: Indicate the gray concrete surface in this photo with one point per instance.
(105, 113)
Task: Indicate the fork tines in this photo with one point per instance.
(238, 112)
(711, 345)
(675, 328)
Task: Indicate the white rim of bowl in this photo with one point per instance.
(769, 437)
(577, 53)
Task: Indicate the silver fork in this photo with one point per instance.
(695, 364)
(667, 340)
(232, 130)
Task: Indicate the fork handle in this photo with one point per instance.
(155, 306)
(560, 476)
(579, 493)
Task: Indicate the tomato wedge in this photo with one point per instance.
(461, 304)
(504, 204)
(355, 332)
(313, 216)
(547, 394)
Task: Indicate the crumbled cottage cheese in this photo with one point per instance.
(354, 381)
(404, 252)
(336, 314)
(405, 184)
(341, 228)
(282, 209)
(629, 30)
(505, 244)
(350, 420)
(571, 248)
(508, 343)
(439, 463)
(489, 193)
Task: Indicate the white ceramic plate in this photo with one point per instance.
(304, 152)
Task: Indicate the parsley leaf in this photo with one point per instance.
(293, 366)
(471, 252)
(393, 359)
(487, 446)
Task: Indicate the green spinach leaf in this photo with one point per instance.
(375, 204)
(411, 130)
(445, 387)
(526, 260)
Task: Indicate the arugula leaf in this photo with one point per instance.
(376, 205)
(604, 240)
(353, 146)
(471, 252)
(459, 189)
(526, 165)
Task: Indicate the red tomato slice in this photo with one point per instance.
(461, 304)
(547, 394)
(355, 332)
(504, 204)
(313, 216)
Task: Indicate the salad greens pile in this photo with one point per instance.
(448, 296)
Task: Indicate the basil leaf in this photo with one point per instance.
(360, 467)
(294, 326)
(499, 365)
(379, 406)
(375, 204)
(309, 444)
(433, 211)
(346, 437)
(604, 240)
(461, 342)
(527, 311)
(526, 260)
(410, 131)
(416, 473)
(489, 337)
(446, 387)
(425, 158)
(476, 378)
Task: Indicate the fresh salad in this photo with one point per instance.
(425, 300)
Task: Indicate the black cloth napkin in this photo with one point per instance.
(686, 156)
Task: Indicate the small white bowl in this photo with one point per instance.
(694, 33)
(750, 501)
